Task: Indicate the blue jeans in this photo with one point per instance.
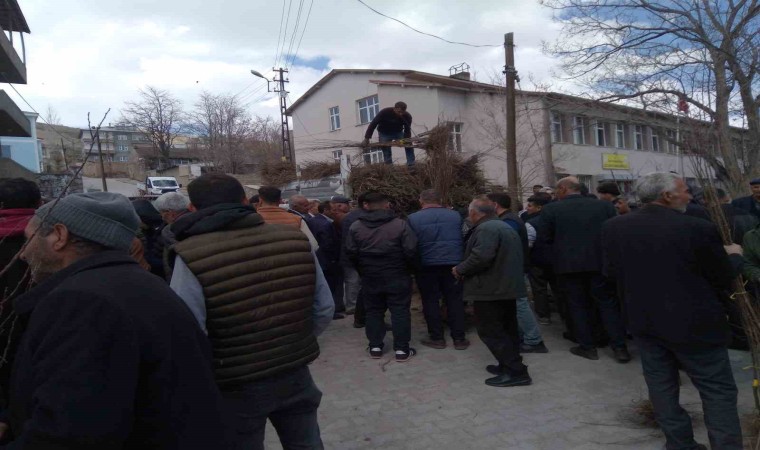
(289, 400)
(388, 151)
(710, 370)
(526, 321)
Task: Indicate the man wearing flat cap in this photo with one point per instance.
(110, 357)
(750, 203)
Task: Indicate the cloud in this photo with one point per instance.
(87, 55)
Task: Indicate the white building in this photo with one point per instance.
(557, 134)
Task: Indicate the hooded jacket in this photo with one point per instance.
(380, 245)
(258, 283)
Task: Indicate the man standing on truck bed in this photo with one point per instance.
(392, 124)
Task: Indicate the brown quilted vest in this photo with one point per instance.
(277, 215)
(259, 281)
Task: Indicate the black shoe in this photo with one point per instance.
(375, 352)
(506, 380)
(461, 344)
(338, 316)
(404, 356)
(434, 343)
(588, 353)
(621, 355)
(358, 324)
(569, 336)
(538, 348)
(496, 369)
(701, 447)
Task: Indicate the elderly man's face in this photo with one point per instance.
(301, 205)
(40, 252)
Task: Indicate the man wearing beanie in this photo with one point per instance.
(259, 292)
(110, 357)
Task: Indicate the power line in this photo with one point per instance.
(285, 35)
(306, 24)
(279, 34)
(422, 32)
(294, 33)
(38, 114)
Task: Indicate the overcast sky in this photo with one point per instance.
(89, 55)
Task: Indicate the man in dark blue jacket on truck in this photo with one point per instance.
(439, 243)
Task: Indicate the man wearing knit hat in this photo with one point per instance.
(110, 357)
(750, 203)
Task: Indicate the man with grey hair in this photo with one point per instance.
(670, 269)
(573, 226)
(492, 271)
(299, 205)
(171, 206)
(110, 358)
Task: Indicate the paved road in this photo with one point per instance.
(438, 399)
(120, 185)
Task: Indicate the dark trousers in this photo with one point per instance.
(497, 328)
(710, 371)
(436, 283)
(539, 286)
(393, 294)
(582, 291)
(334, 278)
(289, 400)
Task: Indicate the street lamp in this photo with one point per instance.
(258, 74)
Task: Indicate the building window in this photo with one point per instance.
(373, 157)
(122, 158)
(639, 137)
(672, 138)
(122, 137)
(655, 141)
(620, 135)
(368, 109)
(5, 151)
(601, 135)
(585, 180)
(455, 142)
(334, 118)
(123, 148)
(337, 154)
(579, 130)
(556, 127)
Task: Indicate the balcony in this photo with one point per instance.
(12, 66)
(13, 122)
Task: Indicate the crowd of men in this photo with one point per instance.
(189, 322)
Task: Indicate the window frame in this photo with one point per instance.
(600, 126)
(638, 137)
(579, 130)
(556, 128)
(455, 136)
(334, 113)
(654, 141)
(619, 135)
(372, 109)
(672, 147)
(337, 154)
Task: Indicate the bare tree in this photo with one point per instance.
(159, 115)
(659, 53)
(226, 129)
(51, 116)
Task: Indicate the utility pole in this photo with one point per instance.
(100, 156)
(511, 73)
(287, 150)
(63, 152)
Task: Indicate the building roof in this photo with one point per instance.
(11, 17)
(425, 79)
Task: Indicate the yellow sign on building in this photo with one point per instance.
(614, 161)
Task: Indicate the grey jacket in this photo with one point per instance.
(493, 264)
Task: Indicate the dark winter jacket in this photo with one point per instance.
(327, 237)
(345, 225)
(111, 359)
(739, 221)
(258, 283)
(439, 236)
(748, 204)
(516, 223)
(541, 252)
(493, 263)
(381, 245)
(573, 227)
(388, 122)
(669, 269)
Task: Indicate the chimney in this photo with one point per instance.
(460, 72)
(461, 76)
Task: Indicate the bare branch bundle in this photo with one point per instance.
(313, 170)
(277, 173)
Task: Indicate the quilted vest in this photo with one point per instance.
(259, 282)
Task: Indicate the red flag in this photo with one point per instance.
(683, 105)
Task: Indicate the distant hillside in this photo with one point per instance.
(52, 156)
